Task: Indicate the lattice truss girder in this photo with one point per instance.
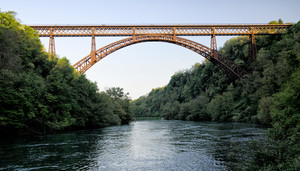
(178, 30)
(227, 65)
(166, 33)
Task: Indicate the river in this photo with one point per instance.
(142, 145)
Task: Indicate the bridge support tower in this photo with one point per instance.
(252, 48)
(174, 33)
(93, 47)
(51, 49)
(213, 44)
(133, 33)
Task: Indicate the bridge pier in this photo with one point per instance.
(213, 44)
(51, 49)
(252, 48)
(93, 47)
(133, 33)
(174, 33)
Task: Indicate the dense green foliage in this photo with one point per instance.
(269, 96)
(38, 95)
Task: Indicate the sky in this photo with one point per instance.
(144, 66)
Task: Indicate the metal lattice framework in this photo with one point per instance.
(178, 30)
(164, 33)
(228, 66)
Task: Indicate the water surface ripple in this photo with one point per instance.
(142, 145)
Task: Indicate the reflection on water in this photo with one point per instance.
(142, 145)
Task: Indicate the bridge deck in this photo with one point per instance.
(177, 30)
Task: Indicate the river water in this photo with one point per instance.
(142, 145)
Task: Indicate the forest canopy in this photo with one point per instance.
(41, 95)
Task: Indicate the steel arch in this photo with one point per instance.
(229, 67)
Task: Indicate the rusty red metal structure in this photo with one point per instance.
(162, 33)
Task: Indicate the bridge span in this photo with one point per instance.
(163, 33)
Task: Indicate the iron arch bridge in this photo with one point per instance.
(162, 33)
(226, 65)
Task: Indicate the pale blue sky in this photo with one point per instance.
(144, 66)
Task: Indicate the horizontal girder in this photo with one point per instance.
(178, 30)
(228, 66)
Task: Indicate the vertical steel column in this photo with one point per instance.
(174, 33)
(133, 33)
(252, 48)
(93, 47)
(51, 49)
(213, 44)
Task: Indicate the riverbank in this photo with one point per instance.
(147, 118)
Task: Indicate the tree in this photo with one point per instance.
(122, 105)
(59, 93)
(264, 107)
(117, 93)
(286, 111)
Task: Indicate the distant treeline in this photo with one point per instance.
(40, 95)
(270, 95)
